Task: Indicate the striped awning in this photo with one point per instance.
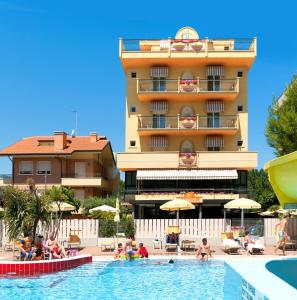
(215, 71)
(159, 107)
(159, 141)
(159, 71)
(214, 141)
(184, 174)
(215, 106)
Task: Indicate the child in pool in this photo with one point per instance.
(142, 251)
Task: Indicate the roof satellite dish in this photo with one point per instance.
(73, 133)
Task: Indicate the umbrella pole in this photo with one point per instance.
(224, 220)
(242, 213)
(177, 216)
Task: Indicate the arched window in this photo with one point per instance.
(187, 111)
(187, 147)
(187, 76)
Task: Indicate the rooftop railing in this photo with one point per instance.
(188, 45)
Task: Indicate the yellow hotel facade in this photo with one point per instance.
(186, 122)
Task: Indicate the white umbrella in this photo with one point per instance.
(267, 213)
(242, 203)
(105, 208)
(62, 206)
(117, 216)
(1, 209)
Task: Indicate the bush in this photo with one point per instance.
(129, 227)
(106, 228)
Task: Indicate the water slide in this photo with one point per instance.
(282, 173)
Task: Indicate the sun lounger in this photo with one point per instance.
(231, 246)
(188, 245)
(169, 246)
(107, 245)
(254, 248)
(74, 241)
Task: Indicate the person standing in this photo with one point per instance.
(281, 234)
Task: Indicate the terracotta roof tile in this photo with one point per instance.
(30, 145)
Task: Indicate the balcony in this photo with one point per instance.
(188, 52)
(190, 89)
(88, 181)
(171, 160)
(176, 125)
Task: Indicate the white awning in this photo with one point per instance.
(184, 174)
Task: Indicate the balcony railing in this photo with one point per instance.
(188, 45)
(187, 86)
(148, 123)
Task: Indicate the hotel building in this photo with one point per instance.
(186, 121)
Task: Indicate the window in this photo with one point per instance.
(132, 143)
(159, 121)
(226, 48)
(213, 83)
(213, 120)
(239, 74)
(133, 74)
(46, 143)
(26, 167)
(133, 109)
(43, 167)
(239, 143)
(239, 107)
(213, 148)
(130, 180)
(159, 84)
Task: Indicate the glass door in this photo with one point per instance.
(213, 120)
(159, 121)
(159, 84)
(213, 83)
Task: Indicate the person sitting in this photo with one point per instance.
(28, 246)
(142, 251)
(203, 252)
(172, 238)
(24, 255)
(118, 251)
(55, 248)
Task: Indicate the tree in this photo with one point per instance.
(261, 189)
(281, 128)
(23, 211)
(58, 195)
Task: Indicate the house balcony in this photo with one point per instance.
(177, 125)
(189, 52)
(94, 180)
(188, 90)
(171, 160)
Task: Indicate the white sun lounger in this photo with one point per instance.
(230, 246)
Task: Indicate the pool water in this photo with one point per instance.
(286, 269)
(185, 279)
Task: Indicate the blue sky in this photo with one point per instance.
(57, 56)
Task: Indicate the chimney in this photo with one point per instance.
(60, 140)
(94, 137)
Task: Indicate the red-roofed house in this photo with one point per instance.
(84, 163)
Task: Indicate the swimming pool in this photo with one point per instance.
(185, 279)
(285, 269)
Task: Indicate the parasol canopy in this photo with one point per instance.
(104, 207)
(242, 203)
(63, 206)
(177, 204)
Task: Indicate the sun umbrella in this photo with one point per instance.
(104, 207)
(63, 206)
(177, 205)
(267, 213)
(1, 209)
(117, 216)
(282, 211)
(242, 203)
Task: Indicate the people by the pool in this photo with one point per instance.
(281, 234)
(130, 251)
(204, 251)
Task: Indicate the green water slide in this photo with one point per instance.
(282, 173)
